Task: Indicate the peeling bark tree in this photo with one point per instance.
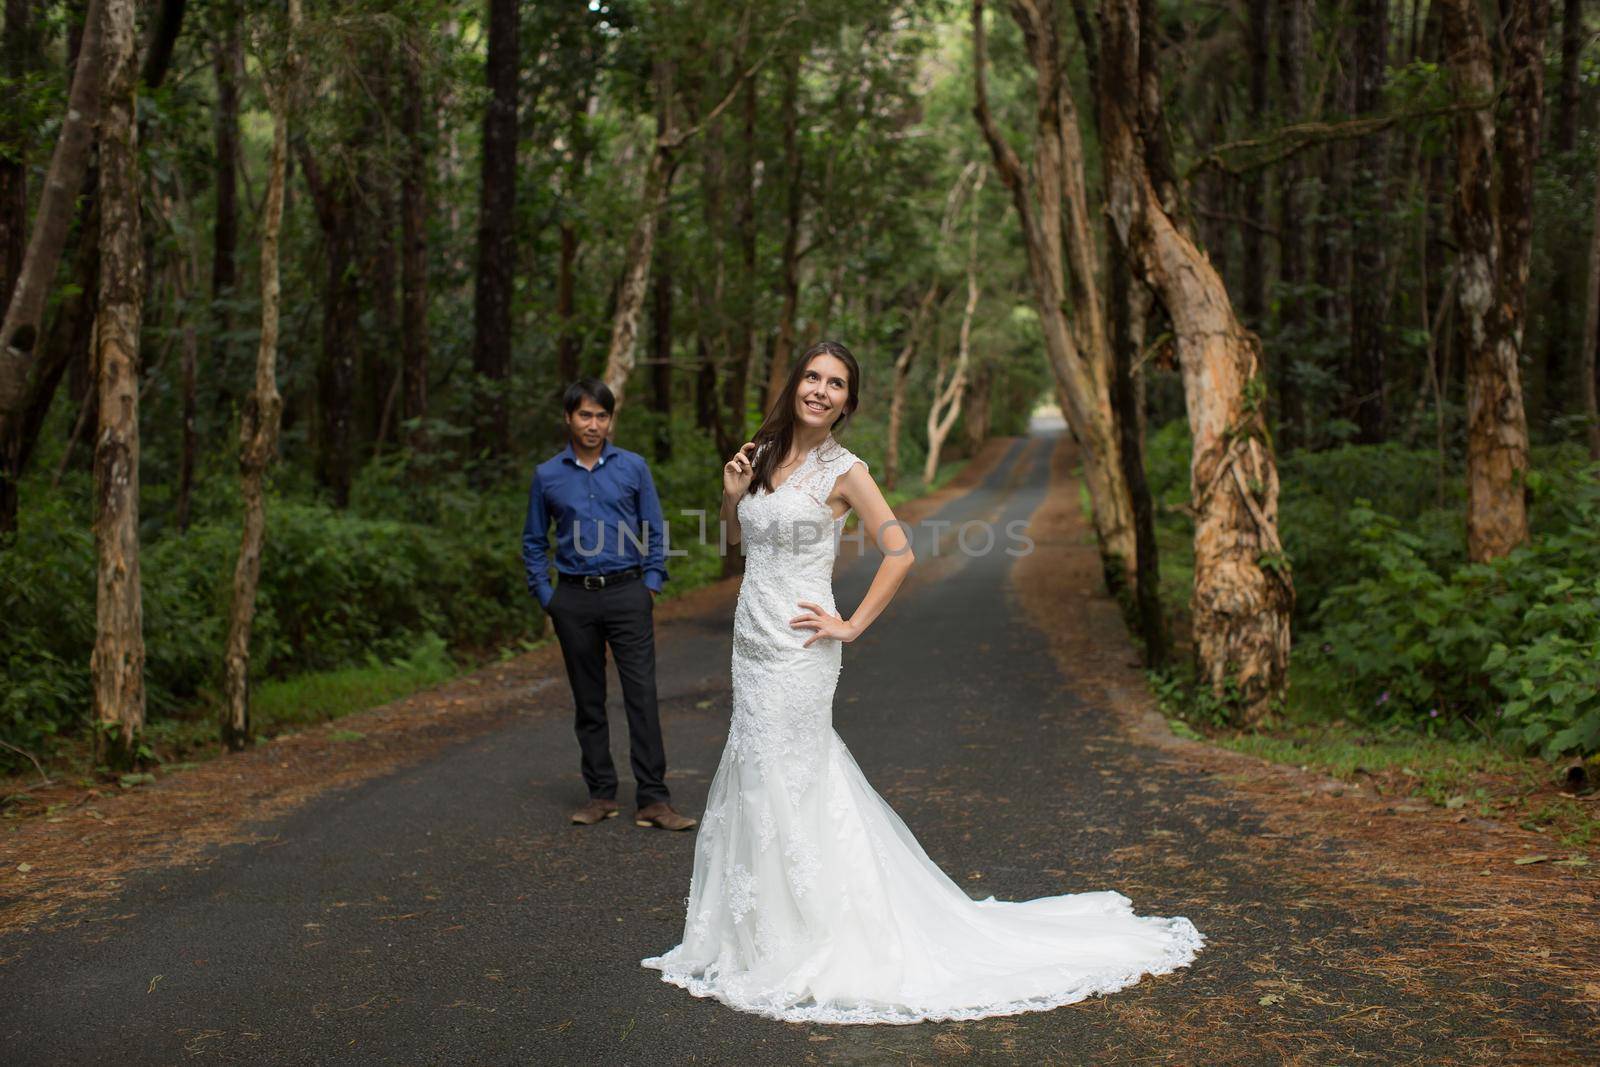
(491, 347)
(1369, 234)
(1492, 269)
(117, 663)
(258, 428)
(1590, 343)
(622, 351)
(24, 317)
(902, 373)
(414, 246)
(946, 406)
(1051, 202)
(1243, 596)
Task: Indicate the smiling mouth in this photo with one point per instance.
(814, 406)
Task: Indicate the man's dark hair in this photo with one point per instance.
(594, 389)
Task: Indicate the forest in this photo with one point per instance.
(294, 288)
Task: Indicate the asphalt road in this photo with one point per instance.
(449, 914)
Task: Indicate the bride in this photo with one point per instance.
(810, 900)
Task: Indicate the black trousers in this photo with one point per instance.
(586, 621)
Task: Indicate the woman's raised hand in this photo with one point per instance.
(736, 473)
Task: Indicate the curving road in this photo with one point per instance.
(448, 914)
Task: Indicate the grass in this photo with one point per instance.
(277, 706)
(1473, 776)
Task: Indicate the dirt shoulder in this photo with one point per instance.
(1471, 899)
(85, 842)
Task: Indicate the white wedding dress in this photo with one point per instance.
(810, 900)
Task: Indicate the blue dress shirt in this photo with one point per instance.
(601, 515)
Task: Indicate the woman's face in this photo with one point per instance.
(824, 391)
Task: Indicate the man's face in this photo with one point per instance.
(589, 423)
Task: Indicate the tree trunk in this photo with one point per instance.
(946, 406)
(491, 348)
(1129, 304)
(336, 365)
(414, 249)
(980, 383)
(717, 363)
(1563, 140)
(258, 430)
(24, 317)
(1369, 232)
(1254, 302)
(621, 353)
(1052, 207)
(188, 376)
(566, 305)
(163, 37)
(1569, 104)
(229, 68)
(902, 373)
(18, 54)
(117, 663)
(1243, 596)
(783, 349)
(661, 349)
(747, 306)
(1293, 44)
(1489, 289)
(1591, 329)
(67, 345)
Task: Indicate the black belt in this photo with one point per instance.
(600, 581)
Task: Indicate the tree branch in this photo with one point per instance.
(1006, 160)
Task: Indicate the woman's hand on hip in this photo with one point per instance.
(825, 624)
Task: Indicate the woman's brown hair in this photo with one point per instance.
(776, 434)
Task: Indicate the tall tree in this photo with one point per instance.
(337, 197)
(794, 212)
(414, 239)
(1591, 328)
(1258, 37)
(1243, 597)
(258, 428)
(916, 326)
(1369, 232)
(17, 54)
(947, 397)
(117, 664)
(1293, 204)
(24, 318)
(1563, 140)
(1052, 206)
(497, 205)
(671, 137)
(1495, 237)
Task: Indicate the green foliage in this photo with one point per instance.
(337, 588)
(1510, 648)
(1394, 627)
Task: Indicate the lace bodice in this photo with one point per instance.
(791, 531)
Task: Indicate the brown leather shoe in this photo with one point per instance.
(661, 816)
(595, 811)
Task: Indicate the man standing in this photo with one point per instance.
(611, 562)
